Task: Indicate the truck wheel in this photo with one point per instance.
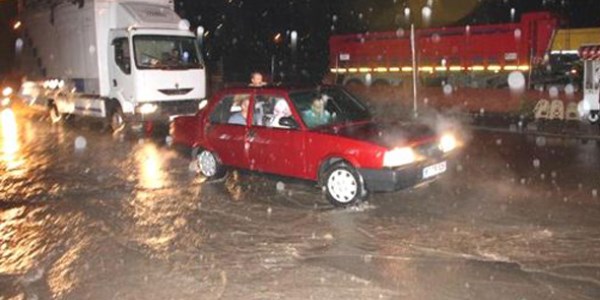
(55, 116)
(209, 165)
(343, 185)
(116, 120)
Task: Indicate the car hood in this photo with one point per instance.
(389, 134)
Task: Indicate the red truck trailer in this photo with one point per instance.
(475, 55)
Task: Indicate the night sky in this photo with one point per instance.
(241, 32)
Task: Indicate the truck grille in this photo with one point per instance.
(174, 92)
(183, 107)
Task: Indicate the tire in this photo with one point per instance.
(116, 120)
(209, 165)
(343, 185)
(55, 116)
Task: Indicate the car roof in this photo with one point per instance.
(239, 88)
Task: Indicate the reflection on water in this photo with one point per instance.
(158, 213)
(150, 166)
(10, 140)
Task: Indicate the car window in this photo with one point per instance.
(321, 107)
(229, 110)
(269, 109)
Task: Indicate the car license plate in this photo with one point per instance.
(433, 170)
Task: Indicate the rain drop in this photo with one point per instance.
(518, 33)
(499, 142)
(594, 193)
(569, 89)
(516, 81)
(553, 92)
(280, 186)
(448, 90)
(80, 143)
(536, 163)
(540, 141)
(169, 140)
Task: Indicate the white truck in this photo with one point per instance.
(124, 61)
(589, 107)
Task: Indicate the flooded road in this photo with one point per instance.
(517, 217)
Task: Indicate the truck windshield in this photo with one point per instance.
(166, 52)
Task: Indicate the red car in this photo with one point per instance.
(323, 134)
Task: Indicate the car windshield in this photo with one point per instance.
(166, 52)
(329, 106)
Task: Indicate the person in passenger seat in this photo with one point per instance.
(240, 117)
(281, 110)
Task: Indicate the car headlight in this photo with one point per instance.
(448, 142)
(7, 91)
(147, 108)
(399, 157)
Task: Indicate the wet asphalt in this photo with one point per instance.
(88, 215)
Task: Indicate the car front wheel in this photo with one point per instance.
(344, 186)
(209, 165)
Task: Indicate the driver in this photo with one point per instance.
(317, 115)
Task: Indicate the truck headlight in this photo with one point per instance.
(448, 142)
(7, 91)
(147, 108)
(399, 157)
(202, 104)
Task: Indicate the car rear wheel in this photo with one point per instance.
(209, 165)
(344, 186)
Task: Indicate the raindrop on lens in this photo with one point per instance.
(448, 90)
(569, 89)
(536, 163)
(540, 141)
(553, 92)
(80, 143)
(280, 186)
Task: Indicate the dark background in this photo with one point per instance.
(240, 33)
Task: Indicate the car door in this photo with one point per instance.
(273, 148)
(226, 139)
(120, 68)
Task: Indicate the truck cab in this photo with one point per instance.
(589, 107)
(125, 61)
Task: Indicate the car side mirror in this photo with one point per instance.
(288, 122)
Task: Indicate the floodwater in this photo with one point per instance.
(514, 218)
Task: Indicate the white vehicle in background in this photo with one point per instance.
(124, 61)
(589, 107)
